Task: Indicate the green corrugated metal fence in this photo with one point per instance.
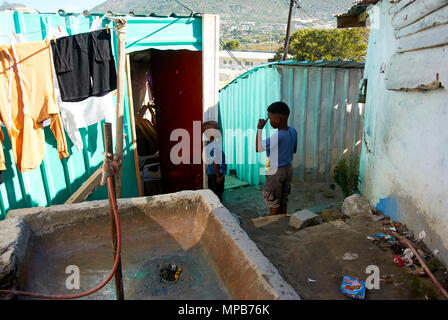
(322, 97)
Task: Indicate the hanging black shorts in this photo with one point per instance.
(84, 65)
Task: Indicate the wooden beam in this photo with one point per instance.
(436, 18)
(87, 188)
(415, 11)
(428, 70)
(428, 38)
(399, 6)
(134, 133)
(121, 39)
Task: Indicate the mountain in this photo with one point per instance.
(252, 22)
(259, 11)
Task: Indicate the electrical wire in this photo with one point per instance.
(106, 16)
(231, 54)
(334, 5)
(181, 4)
(309, 14)
(299, 13)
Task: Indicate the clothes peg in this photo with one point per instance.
(54, 38)
(59, 28)
(107, 28)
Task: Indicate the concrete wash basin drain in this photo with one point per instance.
(170, 273)
(167, 252)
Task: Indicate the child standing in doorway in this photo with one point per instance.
(215, 157)
(280, 149)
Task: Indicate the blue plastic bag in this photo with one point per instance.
(386, 237)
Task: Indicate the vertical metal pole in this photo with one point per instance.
(288, 29)
(133, 123)
(108, 148)
(121, 69)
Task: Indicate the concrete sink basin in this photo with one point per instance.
(190, 229)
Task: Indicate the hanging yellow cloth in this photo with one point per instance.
(26, 100)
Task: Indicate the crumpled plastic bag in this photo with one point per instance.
(353, 288)
(408, 257)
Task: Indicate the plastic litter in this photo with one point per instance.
(420, 260)
(311, 280)
(386, 237)
(376, 217)
(422, 235)
(398, 261)
(408, 257)
(353, 288)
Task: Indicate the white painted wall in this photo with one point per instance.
(405, 146)
(210, 76)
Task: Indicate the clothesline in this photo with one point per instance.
(46, 30)
(69, 84)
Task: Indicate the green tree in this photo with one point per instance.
(233, 44)
(330, 44)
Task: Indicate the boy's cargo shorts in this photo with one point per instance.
(277, 187)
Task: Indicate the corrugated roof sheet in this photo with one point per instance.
(358, 8)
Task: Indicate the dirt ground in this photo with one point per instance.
(311, 259)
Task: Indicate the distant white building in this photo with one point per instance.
(229, 69)
(248, 59)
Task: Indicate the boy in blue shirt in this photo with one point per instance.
(280, 149)
(215, 157)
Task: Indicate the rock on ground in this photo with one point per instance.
(304, 218)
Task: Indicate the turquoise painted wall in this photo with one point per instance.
(55, 180)
(322, 97)
(241, 104)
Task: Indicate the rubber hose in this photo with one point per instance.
(112, 196)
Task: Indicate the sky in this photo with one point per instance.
(54, 6)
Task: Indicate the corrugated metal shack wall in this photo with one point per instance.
(55, 180)
(241, 104)
(324, 112)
